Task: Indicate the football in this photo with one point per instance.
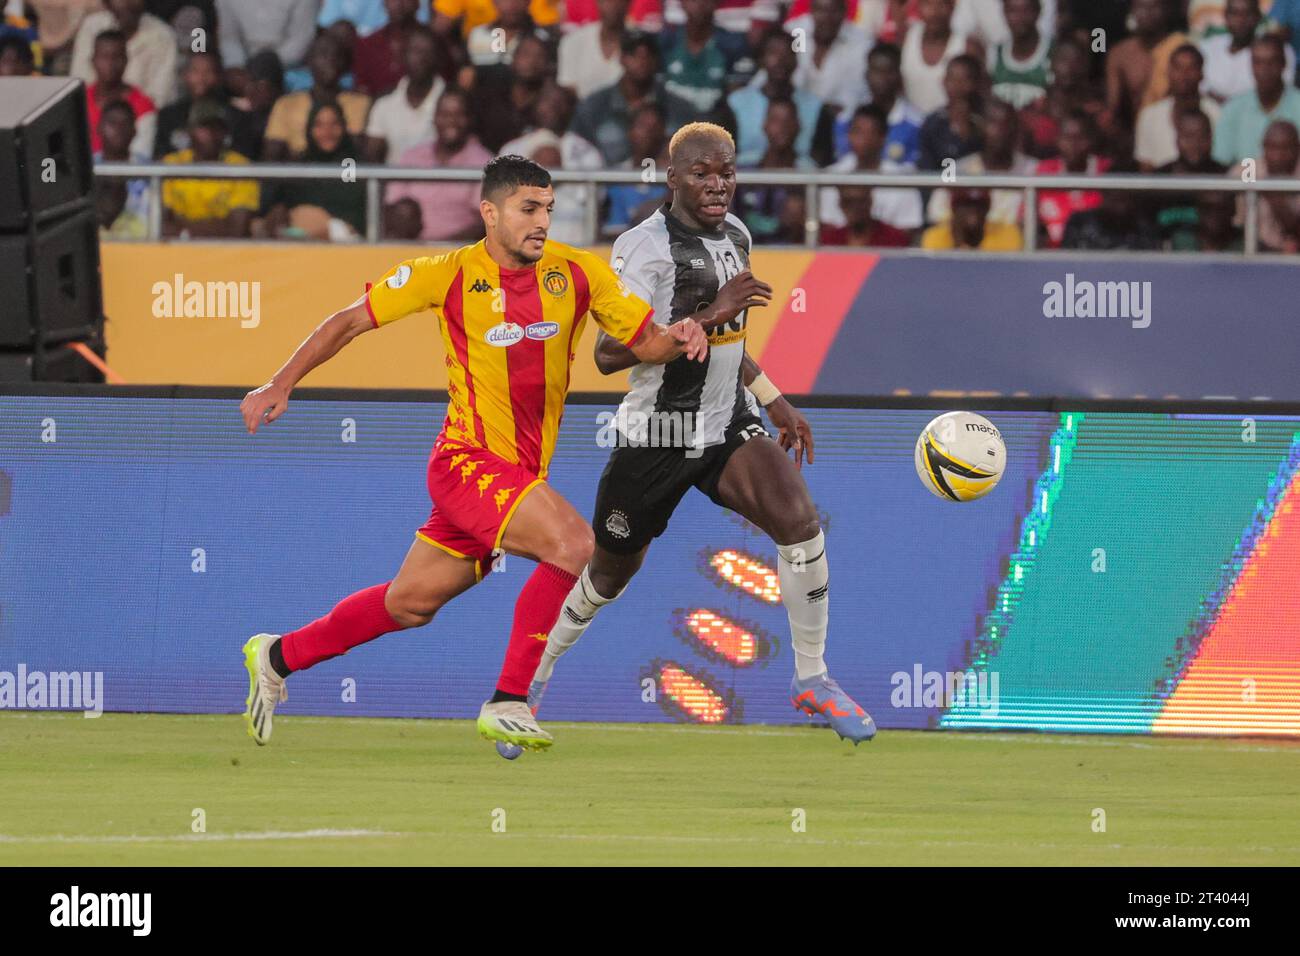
(960, 456)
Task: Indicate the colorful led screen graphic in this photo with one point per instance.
(1133, 572)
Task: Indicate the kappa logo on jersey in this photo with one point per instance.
(542, 330)
(616, 524)
(555, 283)
(480, 285)
(504, 334)
(399, 278)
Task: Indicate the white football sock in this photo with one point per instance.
(803, 574)
(579, 608)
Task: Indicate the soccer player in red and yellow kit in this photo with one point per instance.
(510, 309)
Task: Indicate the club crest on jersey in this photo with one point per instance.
(616, 524)
(541, 330)
(399, 278)
(480, 285)
(504, 334)
(555, 283)
(619, 263)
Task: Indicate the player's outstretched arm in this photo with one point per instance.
(658, 344)
(792, 428)
(269, 402)
(612, 355)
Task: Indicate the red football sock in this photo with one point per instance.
(536, 612)
(356, 619)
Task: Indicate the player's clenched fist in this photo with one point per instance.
(695, 344)
(743, 291)
(264, 404)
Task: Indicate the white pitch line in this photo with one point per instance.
(325, 834)
(812, 841)
(607, 838)
(1189, 743)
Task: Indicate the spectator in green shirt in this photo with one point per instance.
(1240, 132)
(702, 62)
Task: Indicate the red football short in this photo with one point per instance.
(475, 493)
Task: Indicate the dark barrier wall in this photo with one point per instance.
(146, 538)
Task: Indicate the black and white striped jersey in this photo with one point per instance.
(679, 270)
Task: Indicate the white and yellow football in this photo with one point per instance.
(960, 456)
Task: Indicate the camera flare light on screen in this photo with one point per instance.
(718, 636)
(747, 574)
(691, 694)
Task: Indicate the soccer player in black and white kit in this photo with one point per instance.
(691, 260)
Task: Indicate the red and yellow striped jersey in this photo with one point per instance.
(509, 336)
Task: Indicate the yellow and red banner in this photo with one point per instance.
(230, 314)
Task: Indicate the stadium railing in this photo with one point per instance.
(375, 176)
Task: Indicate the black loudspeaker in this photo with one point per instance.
(49, 283)
(45, 160)
(52, 363)
(50, 288)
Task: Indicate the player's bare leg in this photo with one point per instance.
(428, 579)
(762, 484)
(549, 530)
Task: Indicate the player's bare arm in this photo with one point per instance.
(269, 401)
(794, 431)
(741, 292)
(658, 344)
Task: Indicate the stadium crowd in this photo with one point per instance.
(1033, 87)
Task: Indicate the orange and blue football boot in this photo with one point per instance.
(820, 695)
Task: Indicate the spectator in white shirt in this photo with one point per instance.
(245, 27)
(402, 119)
(929, 47)
(750, 17)
(1227, 55)
(552, 145)
(590, 57)
(868, 134)
(1156, 139)
(999, 155)
(150, 48)
(985, 21)
(832, 55)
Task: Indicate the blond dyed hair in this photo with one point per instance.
(698, 131)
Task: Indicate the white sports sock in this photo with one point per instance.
(579, 609)
(803, 574)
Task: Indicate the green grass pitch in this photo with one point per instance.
(122, 789)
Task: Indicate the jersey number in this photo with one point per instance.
(728, 266)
